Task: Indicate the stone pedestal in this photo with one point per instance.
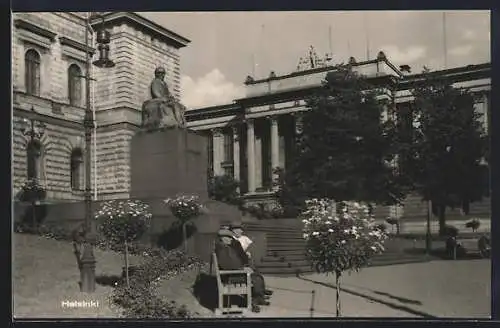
(168, 162)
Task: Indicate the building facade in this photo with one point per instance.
(247, 138)
(48, 65)
(255, 134)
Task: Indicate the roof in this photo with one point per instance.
(166, 35)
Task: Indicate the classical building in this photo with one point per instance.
(254, 134)
(48, 65)
(247, 138)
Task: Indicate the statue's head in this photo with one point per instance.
(160, 72)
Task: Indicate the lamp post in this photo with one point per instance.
(88, 262)
(34, 130)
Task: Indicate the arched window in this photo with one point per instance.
(34, 156)
(75, 85)
(32, 72)
(76, 168)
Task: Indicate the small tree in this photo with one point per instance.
(184, 208)
(340, 243)
(123, 221)
(32, 191)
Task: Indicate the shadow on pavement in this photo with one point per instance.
(377, 300)
(398, 298)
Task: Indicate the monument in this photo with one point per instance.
(167, 159)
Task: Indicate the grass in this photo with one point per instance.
(45, 274)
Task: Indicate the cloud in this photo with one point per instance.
(463, 50)
(404, 56)
(209, 90)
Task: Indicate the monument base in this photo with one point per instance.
(168, 162)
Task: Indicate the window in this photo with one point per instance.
(34, 159)
(32, 72)
(76, 168)
(74, 85)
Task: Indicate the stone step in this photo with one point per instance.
(287, 257)
(304, 267)
(285, 271)
(274, 230)
(288, 264)
(286, 252)
(291, 242)
(285, 248)
(285, 237)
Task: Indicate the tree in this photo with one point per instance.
(123, 221)
(346, 149)
(340, 243)
(448, 147)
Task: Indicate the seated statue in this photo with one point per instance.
(162, 110)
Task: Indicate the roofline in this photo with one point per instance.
(454, 70)
(153, 27)
(324, 69)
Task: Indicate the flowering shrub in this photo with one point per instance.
(184, 207)
(337, 243)
(31, 191)
(123, 221)
(142, 299)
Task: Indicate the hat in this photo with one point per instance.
(225, 233)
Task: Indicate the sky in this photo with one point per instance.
(226, 47)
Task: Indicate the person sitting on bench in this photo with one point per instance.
(231, 256)
(246, 242)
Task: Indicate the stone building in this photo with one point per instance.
(254, 134)
(247, 138)
(48, 65)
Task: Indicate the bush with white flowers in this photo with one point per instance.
(340, 242)
(185, 208)
(123, 221)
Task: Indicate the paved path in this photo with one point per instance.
(427, 290)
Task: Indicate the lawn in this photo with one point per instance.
(45, 274)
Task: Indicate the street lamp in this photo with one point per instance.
(88, 262)
(34, 130)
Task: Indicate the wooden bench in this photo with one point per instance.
(232, 283)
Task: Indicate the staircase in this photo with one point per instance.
(285, 253)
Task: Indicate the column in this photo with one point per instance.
(251, 155)
(218, 151)
(486, 113)
(236, 153)
(275, 151)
